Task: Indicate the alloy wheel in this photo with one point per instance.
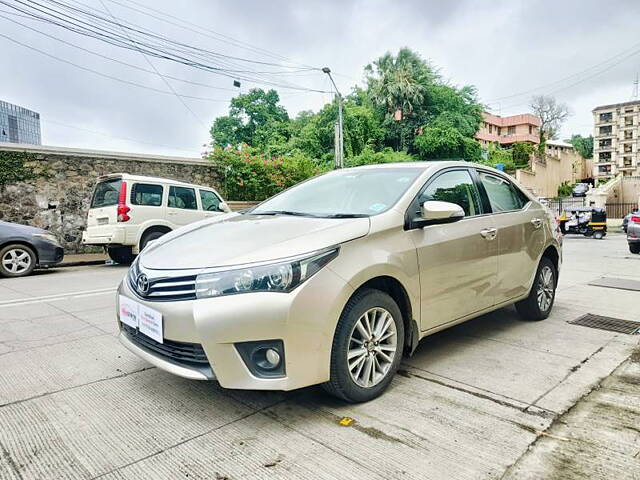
(16, 261)
(546, 288)
(372, 347)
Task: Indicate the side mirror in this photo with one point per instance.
(434, 212)
(223, 207)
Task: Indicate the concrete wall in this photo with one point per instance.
(544, 178)
(60, 201)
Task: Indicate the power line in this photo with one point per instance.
(166, 82)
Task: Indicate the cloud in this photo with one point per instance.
(504, 48)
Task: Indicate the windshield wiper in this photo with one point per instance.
(344, 215)
(283, 212)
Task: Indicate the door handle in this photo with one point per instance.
(536, 222)
(489, 233)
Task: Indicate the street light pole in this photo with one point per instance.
(339, 138)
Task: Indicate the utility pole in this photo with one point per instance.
(339, 137)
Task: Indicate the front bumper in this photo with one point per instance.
(304, 320)
(49, 253)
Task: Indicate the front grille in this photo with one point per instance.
(167, 289)
(181, 352)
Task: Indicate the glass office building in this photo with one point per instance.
(19, 125)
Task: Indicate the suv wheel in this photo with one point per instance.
(122, 255)
(537, 306)
(17, 261)
(367, 347)
(634, 247)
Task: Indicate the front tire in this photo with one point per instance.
(121, 255)
(367, 347)
(538, 305)
(634, 247)
(17, 260)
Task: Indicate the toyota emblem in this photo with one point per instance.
(142, 282)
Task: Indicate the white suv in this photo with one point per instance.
(129, 211)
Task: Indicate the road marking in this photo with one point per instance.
(57, 297)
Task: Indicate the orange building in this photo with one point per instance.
(508, 130)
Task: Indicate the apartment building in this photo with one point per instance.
(615, 145)
(508, 130)
(19, 124)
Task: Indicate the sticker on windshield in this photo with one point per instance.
(377, 207)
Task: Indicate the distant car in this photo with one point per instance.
(23, 248)
(129, 211)
(633, 233)
(580, 190)
(625, 220)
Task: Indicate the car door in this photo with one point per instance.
(182, 205)
(457, 261)
(520, 234)
(210, 203)
(146, 202)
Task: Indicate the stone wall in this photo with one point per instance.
(544, 178)
(59, 202)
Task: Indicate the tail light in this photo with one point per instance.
(635, 218)
(123, 209)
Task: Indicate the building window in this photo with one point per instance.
(605, 143)
(604, 156)
(511, 130)
(628, 134)
(606, 117)
(627, 161)
(530, 130)
(490, 128)
(627, 148)
(628, 121)
(628, 110)
(605, 130)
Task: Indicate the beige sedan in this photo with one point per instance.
(333, 280)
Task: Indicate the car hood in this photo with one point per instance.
(19, 229)
(239, 239)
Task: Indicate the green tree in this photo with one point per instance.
(446, 142)
(255, 119)
(521, 152)
(582, 145)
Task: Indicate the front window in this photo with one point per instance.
(210, 201)
(453, 187)
(358, 192)
(106, 193)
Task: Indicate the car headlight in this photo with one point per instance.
(276, 277)
(48, 237)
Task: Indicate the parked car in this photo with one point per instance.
(129, 211)
(625, 220)
(633, 233)
(23, 248)
(332, 280)
(580, 190)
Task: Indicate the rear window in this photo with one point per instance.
(106, 193)
(146, 194)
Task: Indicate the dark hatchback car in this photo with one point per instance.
(580, 190)
(23, 248)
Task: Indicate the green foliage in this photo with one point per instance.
(254, 119)
(371, 157)
(249, 175)
(582, 145)
(521, 153)
(447, 142)
(564, 189)
(18, 167)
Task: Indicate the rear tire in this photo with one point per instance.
(150, 237)
(121, 255)
(367, 347)
(598, 235)
(17, 260)
(634, 247)
(538, 305)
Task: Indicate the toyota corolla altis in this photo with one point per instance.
(333, 280)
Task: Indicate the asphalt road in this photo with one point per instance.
(492, 398)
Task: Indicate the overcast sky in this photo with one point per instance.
(507, 49)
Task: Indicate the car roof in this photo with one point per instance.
(428, 165)
(143, 178)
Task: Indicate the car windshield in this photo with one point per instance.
(343, 193)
